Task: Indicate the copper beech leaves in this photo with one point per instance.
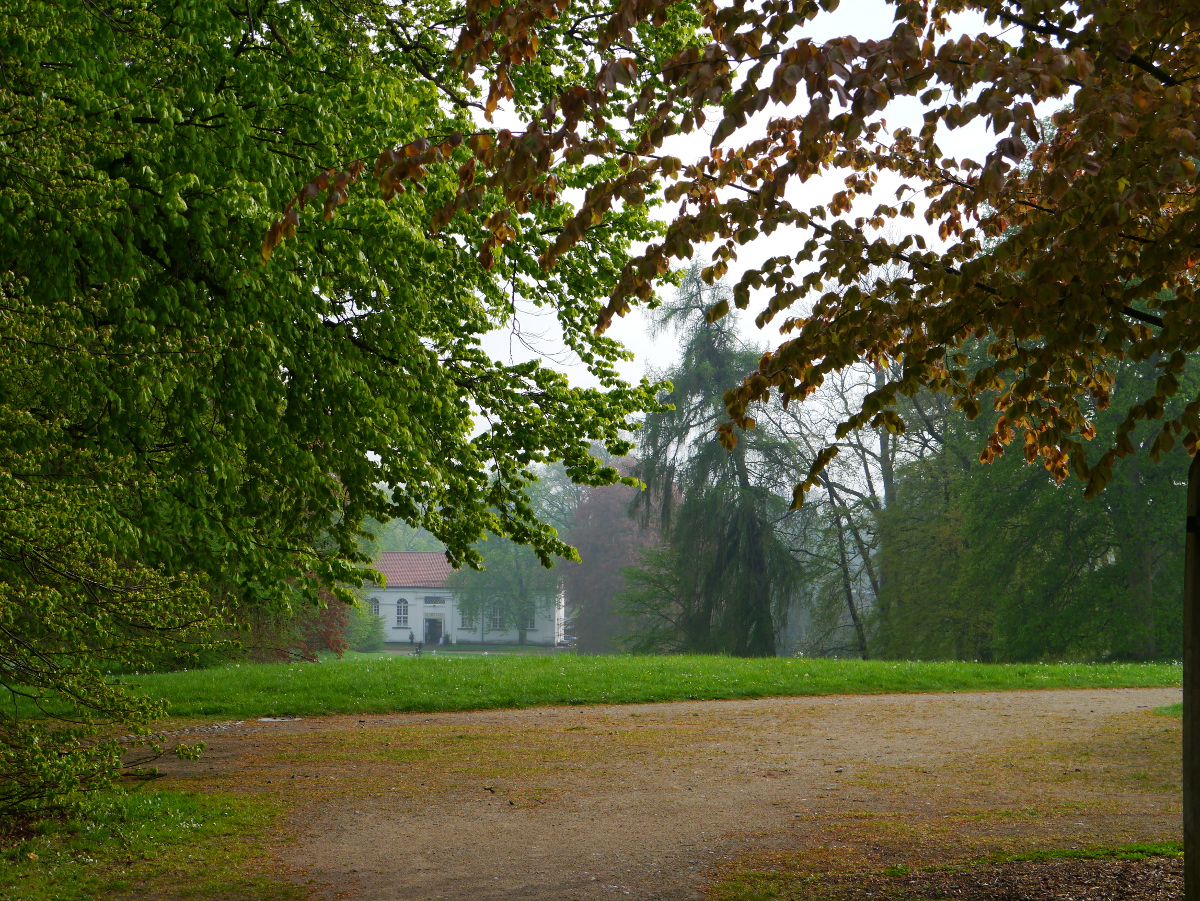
(1067, 246)
(333, 183)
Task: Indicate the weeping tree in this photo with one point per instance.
(721, 579)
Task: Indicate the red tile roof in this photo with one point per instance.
(414, 569)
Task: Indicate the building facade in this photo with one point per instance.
(416, 605)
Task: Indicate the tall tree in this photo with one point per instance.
(509, 591)
(514, 585)
(609, 540)
(732, 577)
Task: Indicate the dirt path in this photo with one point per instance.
(656, 801)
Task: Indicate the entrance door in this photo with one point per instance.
(433, 631)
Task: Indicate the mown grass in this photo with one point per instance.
(151, 844)
(1175, 710)
(384, 683)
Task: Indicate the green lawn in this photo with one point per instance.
(148, 844)
(383, 683)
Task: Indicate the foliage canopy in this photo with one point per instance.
(1093, 242)
(187, 433)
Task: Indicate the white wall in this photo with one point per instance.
(548, 631)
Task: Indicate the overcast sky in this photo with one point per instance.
(536, 332)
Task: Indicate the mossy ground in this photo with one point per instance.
(981, 878)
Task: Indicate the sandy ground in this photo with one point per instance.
(662, 801)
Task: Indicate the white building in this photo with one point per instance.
(416, 605)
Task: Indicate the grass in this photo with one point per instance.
(1175, 710)
(384, 683)
(779, 886)
(1121, 852)
(765, 885)
(145, 845)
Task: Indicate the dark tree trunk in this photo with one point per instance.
(758, 638)
(1191, 690)
(859, 631)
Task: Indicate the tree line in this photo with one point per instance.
(909, 547)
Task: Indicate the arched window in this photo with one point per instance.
(373, 606)
(402, 612)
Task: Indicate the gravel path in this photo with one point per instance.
(660, 801)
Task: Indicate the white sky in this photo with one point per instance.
(865, 19)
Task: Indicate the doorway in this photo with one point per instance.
(433, 631)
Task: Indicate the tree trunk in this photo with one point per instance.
(859, 631)
(863, 552)
(759, 624)
(1191, 690)
(887, 454)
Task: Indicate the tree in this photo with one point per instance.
(839, 540)
(398, 535)
(721, 579)
(999, 562)
(609, 540)
(515, 584)
(509, 591)
(188, 432)
(1094, 244)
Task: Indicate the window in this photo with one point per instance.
(402, 612)
(430, 600)
(373, 606)
(497, 619)
(531, 623)
(467, 620)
